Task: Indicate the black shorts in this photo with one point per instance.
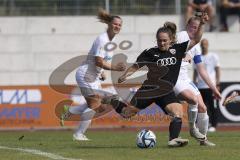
(162, 101)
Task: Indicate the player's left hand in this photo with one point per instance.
(217, 94)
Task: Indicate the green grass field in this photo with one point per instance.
(109, 145)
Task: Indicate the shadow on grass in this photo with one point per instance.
(120, 147)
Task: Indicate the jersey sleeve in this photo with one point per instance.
(142, 59)
(99, 49)
(196, 53)
(181, 48)
(182, 37)
(216, 60)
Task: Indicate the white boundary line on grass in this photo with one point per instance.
(38, 152)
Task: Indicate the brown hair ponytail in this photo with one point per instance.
(105, 17)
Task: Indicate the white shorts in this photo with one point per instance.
(90, 86)
(183, 84)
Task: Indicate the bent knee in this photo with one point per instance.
(178, 114)
(176, 110)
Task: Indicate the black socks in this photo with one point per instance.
(175, 128)
(118, 105)
(114, 100)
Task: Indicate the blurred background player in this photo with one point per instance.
(200, 6)
(211, 62)
(88, 75)
(228, 7)
(186, 90)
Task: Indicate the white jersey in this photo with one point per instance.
(211, 61)
(87, 75)
(88, 69)
(184, 82)
(195, 51)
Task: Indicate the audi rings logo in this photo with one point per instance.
(167, 61)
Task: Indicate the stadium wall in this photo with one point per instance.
(32, 47)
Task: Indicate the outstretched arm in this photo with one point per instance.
(203, 73)
(217, 69)
(100, 62)
(128, 73)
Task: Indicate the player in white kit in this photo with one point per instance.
(88, 75)
(186, 90)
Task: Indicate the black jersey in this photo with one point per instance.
(164, 65)
(163, 71)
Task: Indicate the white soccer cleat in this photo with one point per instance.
(80, 137)
(207, 143)
(194, 132)
(178, 142)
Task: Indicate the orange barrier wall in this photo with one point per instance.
(25, 107)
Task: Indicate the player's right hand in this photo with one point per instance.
(121, 79)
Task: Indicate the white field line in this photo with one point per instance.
(38, 152)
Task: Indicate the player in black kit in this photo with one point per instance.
(163, 64)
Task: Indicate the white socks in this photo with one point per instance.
(202, 122)
(83, 126)
(192, 115)
(201, 119)
(86, 117)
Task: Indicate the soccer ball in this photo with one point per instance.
(146, 139)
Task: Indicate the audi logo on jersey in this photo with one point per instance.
(167, 61)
